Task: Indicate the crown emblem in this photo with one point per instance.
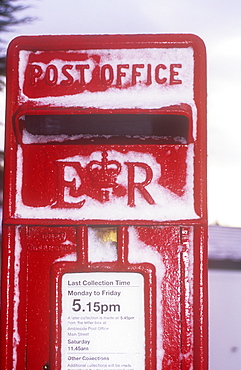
(104, 174)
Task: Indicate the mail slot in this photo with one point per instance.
(105, 216)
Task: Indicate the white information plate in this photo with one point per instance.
(103, 321)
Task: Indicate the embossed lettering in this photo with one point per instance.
(81, 68)
(173, 73)
(157, 74)
(121, 74)
(96, 180)
(136, 73)
(35, 71)
(140, 186)
(70, 78)
(63, 185)
(51, 75)
(107, 74)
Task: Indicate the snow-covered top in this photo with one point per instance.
(152, 88)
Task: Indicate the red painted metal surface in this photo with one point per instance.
(105, 131)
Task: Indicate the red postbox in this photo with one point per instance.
(105, 219)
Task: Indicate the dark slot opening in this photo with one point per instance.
(113, 128)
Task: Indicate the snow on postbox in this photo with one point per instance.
(104, 236)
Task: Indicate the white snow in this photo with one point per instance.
(72, 257)
(139, 252)
(168, 206)
(100, 250)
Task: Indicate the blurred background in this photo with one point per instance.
(219, 25)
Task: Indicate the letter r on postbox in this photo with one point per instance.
(140, 186)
